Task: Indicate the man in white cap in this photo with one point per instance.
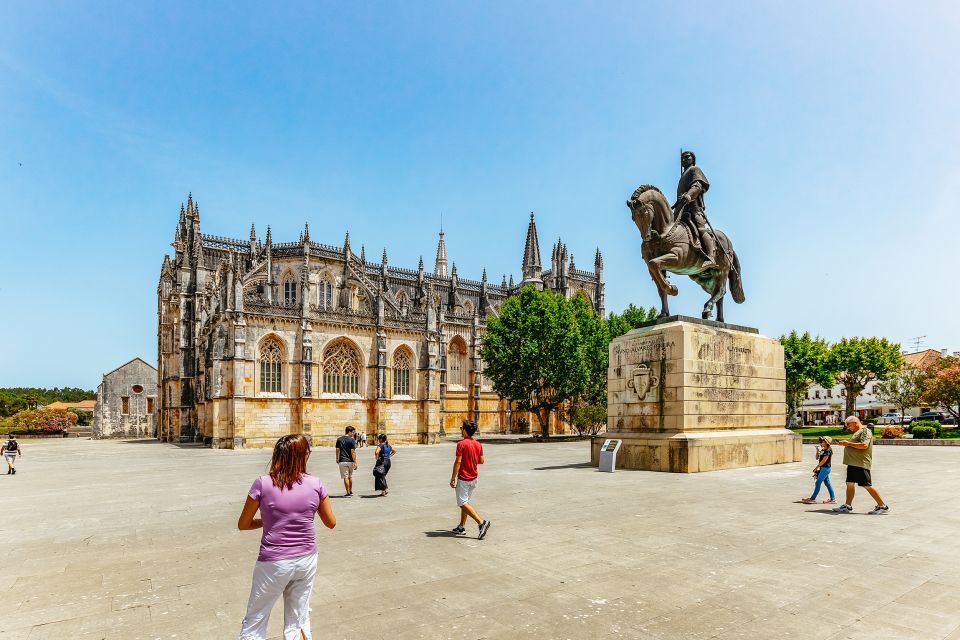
(858, 456)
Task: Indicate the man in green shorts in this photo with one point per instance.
(858, 456)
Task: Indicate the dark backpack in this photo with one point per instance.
(12, 445)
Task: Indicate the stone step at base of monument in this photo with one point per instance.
(694, 452)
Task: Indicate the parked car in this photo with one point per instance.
(938, 416)
(892, 418)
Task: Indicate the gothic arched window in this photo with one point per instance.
(325, 294)
(290, 291)
(457, 364)
(271, 358)
(401, 372)
(341, 369)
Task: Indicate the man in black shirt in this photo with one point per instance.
(347, 458)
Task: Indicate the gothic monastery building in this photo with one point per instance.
(258, 339)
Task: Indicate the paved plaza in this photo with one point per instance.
(111, 540)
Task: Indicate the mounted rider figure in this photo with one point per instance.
(689, 209)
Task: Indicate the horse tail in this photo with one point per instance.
(736, 284)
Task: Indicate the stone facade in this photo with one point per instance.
(126, 402)
(257, 339)
(697, 395)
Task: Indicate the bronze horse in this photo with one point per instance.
(669, 246)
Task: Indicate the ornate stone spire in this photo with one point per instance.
(440, 269)
(269, 237)
(253, 233)
(531, 255)
(306, 232)
(598, 263)
(192, 212)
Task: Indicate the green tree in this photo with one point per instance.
(858, 361)
(588, 411)
(631, 318)
(83, 417)
(805, 360)
(942, 386)
(588, 419)
(904, 389)
(533, 353)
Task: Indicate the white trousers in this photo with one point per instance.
(293, 579)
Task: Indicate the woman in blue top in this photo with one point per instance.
(381, 464)
(822, 471)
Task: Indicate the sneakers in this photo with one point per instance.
(808, 501)
(879, 511)
(458, 530)
(844, 508)
(484, 527)
(829, 501)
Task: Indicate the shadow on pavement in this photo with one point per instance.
(442, 534)
(178, 445)
(574, 465)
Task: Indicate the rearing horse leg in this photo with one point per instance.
(658, 267)
(717, 290)
(664, 304)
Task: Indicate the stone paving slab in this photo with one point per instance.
(137, 540)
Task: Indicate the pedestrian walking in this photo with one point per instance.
(464, 478)
(11, 449)
(363, 438)
(381, 463)
(858, 456)
(288, 499)
(822, 471)
(347, 458)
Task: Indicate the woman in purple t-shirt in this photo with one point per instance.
(288, 499)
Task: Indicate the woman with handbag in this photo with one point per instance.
(381, 467)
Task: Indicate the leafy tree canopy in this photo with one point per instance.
(857, 361)
(806, 362)
(534, 352)
(631, 318)
(942, 385)
(903, 389)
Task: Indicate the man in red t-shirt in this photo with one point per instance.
(464, 477)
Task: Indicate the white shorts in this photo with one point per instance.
(10, 456)
(346, 469)
(293, 579)
(465, 491)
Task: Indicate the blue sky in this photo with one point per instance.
(828, 131)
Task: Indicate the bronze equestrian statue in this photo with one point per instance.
(680, 239)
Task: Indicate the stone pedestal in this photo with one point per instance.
(688, 395)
